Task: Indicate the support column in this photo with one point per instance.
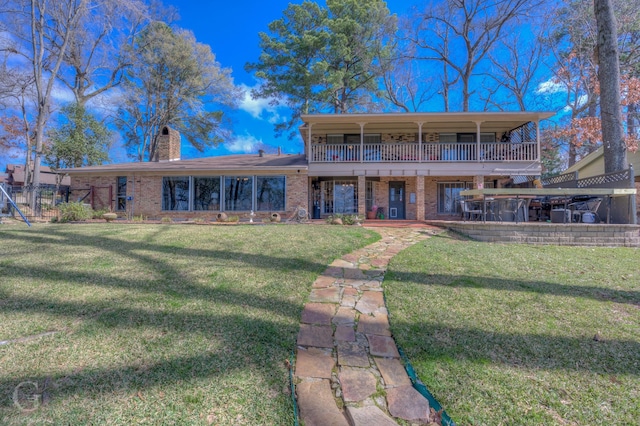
(538, 142)
(309, 144)
(478, 182)
(362, 196)
(420, 123)
(420, 198)
(478, 140)
(361, 156)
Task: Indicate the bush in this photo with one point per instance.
(97, 214)
(75, 212)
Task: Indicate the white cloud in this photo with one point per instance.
(550, 87)
(259, 108)
(244, 144)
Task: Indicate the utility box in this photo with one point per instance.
(560, 216)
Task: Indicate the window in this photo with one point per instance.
(228, 193)
(370, 195)
(270, 193)
(121, 193)
(449, 196)
(206, 193)
(335, 139)
(175, 193)
(238, 193)
(340, 196)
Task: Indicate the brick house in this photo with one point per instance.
(408, 165)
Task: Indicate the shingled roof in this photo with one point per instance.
(243, 162)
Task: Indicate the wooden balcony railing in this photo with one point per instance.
(431, 152)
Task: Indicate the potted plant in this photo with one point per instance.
(371, 214)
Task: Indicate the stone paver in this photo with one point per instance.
(356, 383)
(369, 416)
(370, 301)
(382, 346)
(329, 295)
(314, 362)
(345, 347)
(318, 313)
(352, 354)
(345, 333)
(317, 406)
(374, 324)
(393, 372)
(315, 335)
(407, 403)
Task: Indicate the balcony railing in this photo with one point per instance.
(431, 152)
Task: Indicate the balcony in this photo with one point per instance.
(438, 152)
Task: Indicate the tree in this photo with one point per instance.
(573, 43)
(43, 29)
(80, 140)
(325, 60)
(172, 81)
(460, 34)
(92, 62)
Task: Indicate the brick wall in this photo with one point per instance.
(146, 191)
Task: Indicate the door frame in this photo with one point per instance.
(403, 200)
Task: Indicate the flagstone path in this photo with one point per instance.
(348, 370)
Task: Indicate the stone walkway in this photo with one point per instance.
(348, 370)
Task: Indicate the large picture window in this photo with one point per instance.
(270, 193)
(238, 193)
(206, 193)
(175, 193)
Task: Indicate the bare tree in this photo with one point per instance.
(515, 69)
(615, 149)
(42, 30)
(92, 62)
(461, 33)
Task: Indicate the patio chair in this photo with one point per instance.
(511, 209)
(469, 211)
(590, 206)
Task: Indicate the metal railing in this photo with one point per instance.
(37, 203)
(410, 152)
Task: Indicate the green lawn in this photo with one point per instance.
(157, 324)
(521, 335)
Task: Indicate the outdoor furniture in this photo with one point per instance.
(513, 210)
(471, 210)
(589, 206)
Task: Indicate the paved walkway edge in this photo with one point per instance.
(348, 369)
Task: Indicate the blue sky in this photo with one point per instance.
(231, 29)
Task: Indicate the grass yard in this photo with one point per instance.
(521, 335)
(156, 324)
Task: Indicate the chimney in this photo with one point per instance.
(261, 152)
(279, 151)
(168, 145)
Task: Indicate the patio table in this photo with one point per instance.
(530, 193)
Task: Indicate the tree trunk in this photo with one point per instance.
(615, 149)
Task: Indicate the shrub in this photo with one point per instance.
(97, 214)
(74, 212)
(166, 219)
